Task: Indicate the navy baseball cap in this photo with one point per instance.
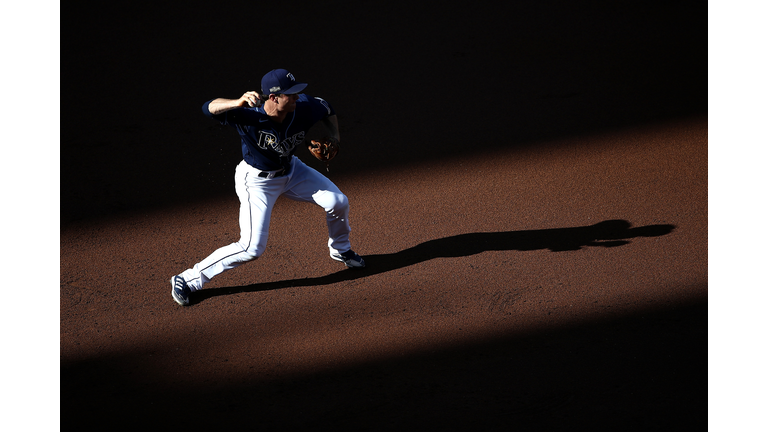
(280, 81)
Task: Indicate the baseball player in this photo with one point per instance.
(271, 125)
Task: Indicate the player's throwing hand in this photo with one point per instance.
(250, 99)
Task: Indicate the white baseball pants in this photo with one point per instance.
(257, 198)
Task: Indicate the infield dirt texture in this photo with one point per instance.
(528, 186)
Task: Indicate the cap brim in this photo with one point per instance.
(295, 89)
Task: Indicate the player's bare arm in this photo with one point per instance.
(221, 105)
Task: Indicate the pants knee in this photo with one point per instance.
(251, 253)
(339, 204)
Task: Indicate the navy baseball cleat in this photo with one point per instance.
(351, 259)
(180, 290)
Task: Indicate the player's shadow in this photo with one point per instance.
(610, 233)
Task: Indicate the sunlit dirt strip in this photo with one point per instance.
(419, 305)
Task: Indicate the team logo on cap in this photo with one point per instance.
(290, 76)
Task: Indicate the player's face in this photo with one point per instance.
(287, 102)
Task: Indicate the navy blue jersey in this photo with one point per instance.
(267, 145)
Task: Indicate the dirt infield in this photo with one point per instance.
(528, 188)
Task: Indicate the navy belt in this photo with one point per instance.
(272, 174)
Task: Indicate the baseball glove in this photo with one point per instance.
(324, 149)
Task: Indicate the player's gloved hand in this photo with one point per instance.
(324, 149)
